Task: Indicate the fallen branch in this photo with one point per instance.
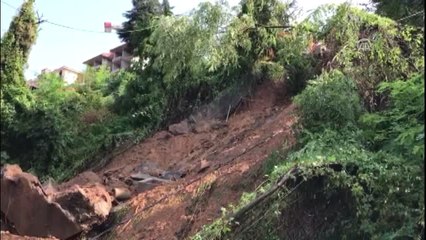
(265, 195)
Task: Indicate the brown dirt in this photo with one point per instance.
(8, 236)
(235, 153)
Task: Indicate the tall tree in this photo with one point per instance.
(167, 10)
(263, 13)
(16, 44)
(408, 11)
(137, 29)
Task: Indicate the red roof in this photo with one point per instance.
(107, 55)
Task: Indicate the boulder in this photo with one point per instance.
(204, 164)
(180, 128)
(27, 207)
(122, 194)
(164, 135)
(171, 175)
(89, 205)
(82, 179)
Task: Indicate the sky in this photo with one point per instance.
(58, 46)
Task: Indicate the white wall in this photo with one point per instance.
(69, 77)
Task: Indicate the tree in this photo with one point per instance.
(398, 10)
(17, 42)
(263, 42)
(167, 10)
(137, 29)
(15, 49)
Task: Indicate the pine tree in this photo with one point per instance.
(136, 29)
(167, 10)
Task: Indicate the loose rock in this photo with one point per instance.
(122, 194)
(203, 166)
(26, 205)
(180, 128)
(90, 205)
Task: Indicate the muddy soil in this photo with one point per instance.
(217, 164)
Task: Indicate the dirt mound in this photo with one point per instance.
(218, 161)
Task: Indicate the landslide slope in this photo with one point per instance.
(220, 162)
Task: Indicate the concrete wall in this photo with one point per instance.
(69, 77)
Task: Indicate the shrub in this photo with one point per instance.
(330, 100)
(400, 128)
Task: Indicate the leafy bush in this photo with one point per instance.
(387, 188)
(369, 49)
(399, 129)
(383, 193)
(64, 130)
(329, 100)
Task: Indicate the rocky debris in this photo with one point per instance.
(149, 168)
(82, 179)
(143, 177)
(5, 225)
(43, 211)
(49, 188)
(89, 205)
(163, 135)
(5, 235)
(143, 182)
(25, 204)
(122, 194)
(180, 128)
(139, 187)
(204, 164)
(204, 126)
(172, 176)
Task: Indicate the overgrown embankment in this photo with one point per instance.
(357, 170)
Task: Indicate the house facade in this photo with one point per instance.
(67, 74)
(116, 59)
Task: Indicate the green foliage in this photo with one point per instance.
(167, 10)
(15, 98)
(299, 66)
(406, 11)
(329, 100)
(373, 162)
(387, 188)
(215, 231)
(21, 35)
(116, 84)
(262, 40)
(67, 127)
(188, 65)
(137, 29)
(400, 129)
(368, 48)
(186, 61)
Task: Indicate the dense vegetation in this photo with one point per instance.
(360, 105)
(358, 166)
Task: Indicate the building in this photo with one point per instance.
(116, 59)
(67, 74)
